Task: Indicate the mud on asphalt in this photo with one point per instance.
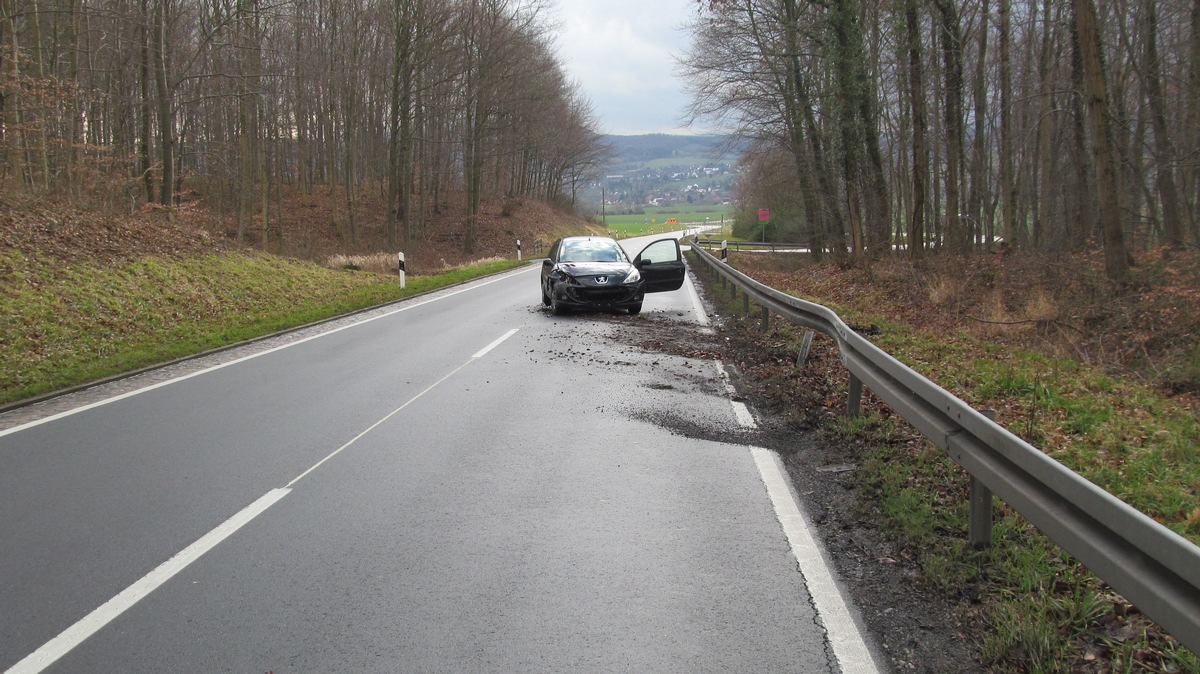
(917, 629)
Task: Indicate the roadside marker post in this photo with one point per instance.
(400, 261)
(725, 251)
(518, 250)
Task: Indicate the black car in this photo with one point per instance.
(593, 272)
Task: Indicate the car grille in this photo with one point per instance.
(602, 295)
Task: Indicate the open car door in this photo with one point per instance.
(661, 265)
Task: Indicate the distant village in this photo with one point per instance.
(670, 186)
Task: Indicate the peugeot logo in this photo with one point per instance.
(601, 280)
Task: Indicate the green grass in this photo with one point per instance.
(654, 219)
(1043, 609)
(66, 325)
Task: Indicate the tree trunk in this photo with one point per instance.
(1172, 218)
(847, 58)
(953, 73)
(1085, 203)
(920, 157)
(1191, 176)
(1108, 176)
(1008, 188)
(798, 102)
(146, 165)
(393, 172)
(980, 222)
(12, 97)
(1044, 166)
(74, 102)
(40, 175)
(166, 117)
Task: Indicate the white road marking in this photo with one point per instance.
(841, 631)
(74, 635)
(151, 387)
(59, 646)
(389, 415)
(484, 351)
(697, 305)
(745, 417)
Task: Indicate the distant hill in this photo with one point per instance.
(662, 150)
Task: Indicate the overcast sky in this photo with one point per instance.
(622, 55)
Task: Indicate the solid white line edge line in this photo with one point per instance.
(841, 631)
(151, 387)
(74, 635)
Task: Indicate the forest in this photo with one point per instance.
(867, 126)
(134, 102)
(961, 124)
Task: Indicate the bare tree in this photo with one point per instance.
(1163, 145)
(920, 126)
(1116, 260)
(12, 94)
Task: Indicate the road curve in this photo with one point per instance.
(460, 482)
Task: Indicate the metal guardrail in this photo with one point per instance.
(1153, 567)
(754, 245)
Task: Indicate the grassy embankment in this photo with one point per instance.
(1035, 607)
(63, 325)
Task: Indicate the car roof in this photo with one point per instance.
(588, 238)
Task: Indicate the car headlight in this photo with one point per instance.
(633, 277)
(566, 278)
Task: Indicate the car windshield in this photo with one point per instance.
(591, 250)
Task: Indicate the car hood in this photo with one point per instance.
(594, 268)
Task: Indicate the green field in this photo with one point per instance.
(656, 219)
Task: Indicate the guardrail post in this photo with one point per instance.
(766, 320)
(980, 531)
(746, 303)
(805, 345)
(854, 397)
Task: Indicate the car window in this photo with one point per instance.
(591, 250)
(660, 251)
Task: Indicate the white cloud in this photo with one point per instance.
(622, 54)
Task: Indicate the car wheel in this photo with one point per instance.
(545, 297)
(635, 309)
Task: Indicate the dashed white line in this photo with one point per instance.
(53, 650)
(484, 351)
(74, 635)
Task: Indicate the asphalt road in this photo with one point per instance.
(459, 483)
